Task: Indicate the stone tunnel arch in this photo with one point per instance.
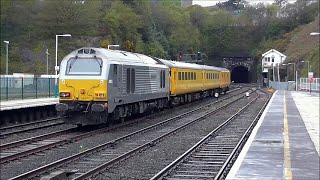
(240, 74)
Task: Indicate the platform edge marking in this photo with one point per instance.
(287, 158)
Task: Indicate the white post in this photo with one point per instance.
(56, 66)
(7, 56)
(47, 52)
(296, 80)
(56, 70)
(278, 73)
(273, 77)
(7, 59)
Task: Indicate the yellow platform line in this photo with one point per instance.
(287, 158)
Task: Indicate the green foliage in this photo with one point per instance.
(157, 28)
(121, 26)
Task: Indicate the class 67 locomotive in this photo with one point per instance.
(98, 85)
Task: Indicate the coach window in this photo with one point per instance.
(191, 76)
(185, 76)
(182, 75)
(195, 76)
(179, 75)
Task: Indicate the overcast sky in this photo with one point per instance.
(213, 2)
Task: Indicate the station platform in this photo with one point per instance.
(285, 142)
(27, 103)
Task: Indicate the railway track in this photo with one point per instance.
(21, 128)
(121, 148)
(213, 156)
(22, 148)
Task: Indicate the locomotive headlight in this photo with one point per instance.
(64, 94)
(100, 95)
(101, 81)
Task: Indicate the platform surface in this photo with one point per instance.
(285, 142)
(26, 103)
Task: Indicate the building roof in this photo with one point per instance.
(273, 50)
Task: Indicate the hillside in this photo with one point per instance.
(303, 47)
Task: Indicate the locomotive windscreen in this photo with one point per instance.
(84, 66)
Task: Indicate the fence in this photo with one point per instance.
(14, 88)
(290, 85)
(305, 84)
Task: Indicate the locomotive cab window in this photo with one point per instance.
(84, 66)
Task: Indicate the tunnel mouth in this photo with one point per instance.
(240, 74)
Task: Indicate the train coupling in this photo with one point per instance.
(62, 107)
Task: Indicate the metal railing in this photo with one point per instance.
(305, 84)
(290, 85)
(15, 88)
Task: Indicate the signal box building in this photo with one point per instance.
(270, 59)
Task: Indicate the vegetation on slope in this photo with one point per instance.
(157, 28)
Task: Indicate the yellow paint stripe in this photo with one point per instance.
(287, 159)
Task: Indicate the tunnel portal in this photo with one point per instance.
(240, 74)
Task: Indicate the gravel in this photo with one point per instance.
(144, 165)
(15, 168)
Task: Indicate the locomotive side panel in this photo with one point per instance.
(138, 84)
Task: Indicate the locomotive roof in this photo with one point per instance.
(136, 58)
(116, 56)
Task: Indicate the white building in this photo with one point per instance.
(271, 58)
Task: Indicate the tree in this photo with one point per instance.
(122, 27)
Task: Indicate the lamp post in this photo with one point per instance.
(113, 45)
(308, 66)
(7, 56)
(56, 66)
(308, 73)
(294, 74)
(47, 52)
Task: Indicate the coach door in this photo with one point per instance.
(115, 85)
